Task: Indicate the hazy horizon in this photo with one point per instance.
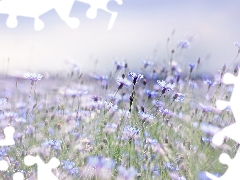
(141, 27)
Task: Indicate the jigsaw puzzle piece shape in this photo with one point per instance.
(63, 9)
(36, 8)
(101, 4)
(233, 167)
(18, 176)
(8, 133)
(3, 165)
(230, 131)
(44, 170)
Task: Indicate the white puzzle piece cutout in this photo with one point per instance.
(101, 4)
(44, 170)
(232, 131)
(9, 141)
(36, 8)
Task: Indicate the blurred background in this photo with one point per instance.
(140, 33)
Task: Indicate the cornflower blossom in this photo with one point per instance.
(209, 83)
(3, 152)
(55, 144)
(237, 44)
(123, 82)
(205, 108)
(108, 106)
(130, 133)
(100, 166)
(165, 111)
(209, 129)
(111, 128)
(103, 79)
(147, 63)
(178, 97)
(20, 120)
(171, 167)
(126, 174)
(150, 94)
(206, 140)
(183, 44)
(145, 116)
(70, 167)
(75, 92)
(191, 66)
(3, 101)
(136, 77)
(165, 86)
(33, 76)
(120, 65)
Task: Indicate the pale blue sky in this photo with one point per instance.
(141, 26)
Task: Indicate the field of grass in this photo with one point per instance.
(153, 123)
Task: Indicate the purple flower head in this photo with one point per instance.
(102, 79)
(191, 66)
(145, 116)
(237, 44)
(165, 86)
(165, 111)
(135, 77)
(171, 167)
(3, 101)
(150, 94)
(110, 107)
(205, 108)
(184, 44)
(209, 82)
(127, 174)
(55, 144)
(70, 167)
(101, 162)
(130, 132)
(33, 76)
(147, 63)
(120, 65)
(178, 97)
(123, 82)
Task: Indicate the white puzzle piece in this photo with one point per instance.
(232, 131)
(36, 8)
(44, 170)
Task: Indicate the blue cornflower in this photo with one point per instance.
(191, 66)
(130, 132)
(20, 120)
(135, 77)
(237, 44)
(149, 93)
(178, 97)
(205, 108)
(209, 83)
(55, 144)
(171, 167)
(33, 76)
(123, 82)
(165, 111)
(120, 65)
(70, 167)
(184, 44)
(147, 63)
(165, 86)
(3, 152)
(100, 162)
(3, 101)
(127, 173)
(145, 116)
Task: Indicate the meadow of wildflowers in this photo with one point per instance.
(156, 122)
